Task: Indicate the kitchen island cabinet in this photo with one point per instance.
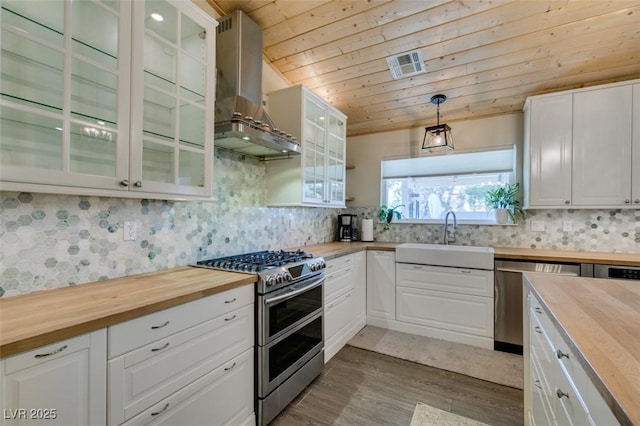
(581, 362)
(105, 101)
(64, 383)
(317, 176)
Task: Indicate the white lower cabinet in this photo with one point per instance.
(59, 384)
(454, 304)
(381, 287)
(558, 390)
(202, 369)
(344, 301)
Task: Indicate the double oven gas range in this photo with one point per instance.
(289, 323)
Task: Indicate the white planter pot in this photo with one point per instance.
(502, 216)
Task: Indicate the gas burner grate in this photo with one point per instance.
(256, 261)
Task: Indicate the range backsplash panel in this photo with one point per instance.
(49, 241)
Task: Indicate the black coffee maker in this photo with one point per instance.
(347, 227)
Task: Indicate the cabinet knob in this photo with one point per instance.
(637, 201)
(627, 201)
(138, 184)
(560, 354)
(567, 202)
(124, 183)
(561, 394)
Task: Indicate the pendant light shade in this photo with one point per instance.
(438, 136)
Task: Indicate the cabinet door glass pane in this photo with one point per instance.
(192, 125)
(41, 19)
(93, 93)
(94, 32)
(193, 77)
(30, 140)
(159, 63)
(157, 162)
(93, 150)
(32, 74)
(191, 168)
(159, 114)
(161, 19)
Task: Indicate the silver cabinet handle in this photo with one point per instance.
(229, 368)
(417, 267)
(166, 345)
(637, 201)
(464, 271)
(57, 351)
(155, 413)
(537, 384)
(156, 327)
(537, 329)
(230, 301)
(538, 310)
(567, 202)
(231, 318)
(124, 183)
(561, 394)
(560, 354)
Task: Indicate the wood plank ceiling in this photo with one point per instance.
(487, 57)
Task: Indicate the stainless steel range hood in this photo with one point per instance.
(241, 123)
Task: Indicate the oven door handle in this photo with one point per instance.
(293, 293)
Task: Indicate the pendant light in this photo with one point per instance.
(438, 136)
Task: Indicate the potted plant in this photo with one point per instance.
(503, 200)
(386, 215)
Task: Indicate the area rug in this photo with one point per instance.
(494, 366)
(426, 415)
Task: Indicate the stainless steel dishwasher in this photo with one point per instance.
(507, 329)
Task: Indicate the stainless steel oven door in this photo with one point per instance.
(281, 311)
(281, 358)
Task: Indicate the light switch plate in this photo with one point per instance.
(537, 226)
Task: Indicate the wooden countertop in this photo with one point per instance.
(574, 256)
(32, 320)
(600, 319)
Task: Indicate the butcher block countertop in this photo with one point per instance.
(572, 256)
(600, 319)
(32, 320)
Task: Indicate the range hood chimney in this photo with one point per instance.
(242, 124)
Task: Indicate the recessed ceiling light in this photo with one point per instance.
(157, 17)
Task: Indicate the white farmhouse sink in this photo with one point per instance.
(446, 255)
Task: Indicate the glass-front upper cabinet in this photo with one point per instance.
(173, 74)
(62, 121)
(107, 97)
(314, 144)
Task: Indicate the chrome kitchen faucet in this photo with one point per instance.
(446, 239)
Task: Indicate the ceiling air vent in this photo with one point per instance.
(406, 64)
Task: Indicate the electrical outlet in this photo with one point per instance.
(537, 226)
(129, 231)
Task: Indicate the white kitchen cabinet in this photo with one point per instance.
(582, 147)
(317, 176)
(557, 389)
(602, 124)
(454, 304)
(64, 383)
(381, 287)
(548, 141)
(100, 99)
(165, 365)
(344, 301)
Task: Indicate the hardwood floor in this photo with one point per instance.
(360, 387)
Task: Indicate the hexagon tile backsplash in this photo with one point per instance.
(49, 241)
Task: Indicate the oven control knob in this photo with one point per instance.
(279, 278)
(271, 280)
(288, 277)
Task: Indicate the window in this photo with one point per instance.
(429, 186)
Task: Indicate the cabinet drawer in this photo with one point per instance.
(537, 311)
(142, 377)
(337, 315)
(338, 282)
(138, 332)
(568, 401)
(46, 353)
(338, 263)
(452, 280)
(567, 359)
(541, 398)
(222, 397)
(449, 311)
